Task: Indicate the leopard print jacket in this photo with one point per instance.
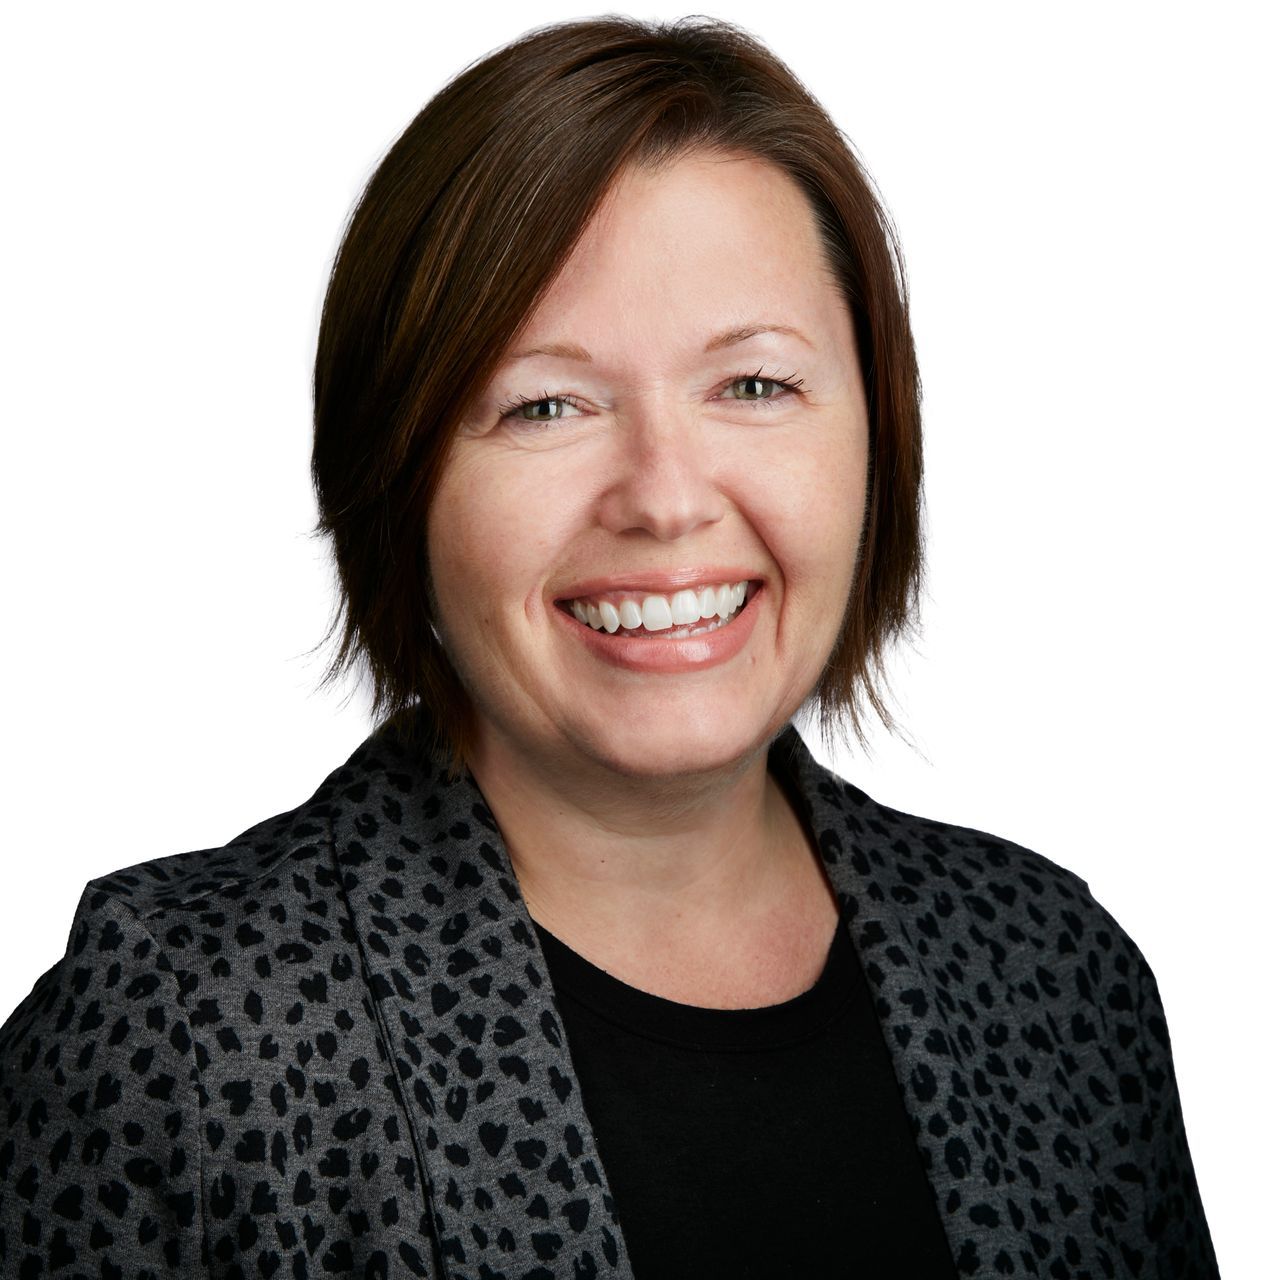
(330, 1048)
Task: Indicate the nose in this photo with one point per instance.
(662, 482)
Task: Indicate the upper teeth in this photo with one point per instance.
(658, 613)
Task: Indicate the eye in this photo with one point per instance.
(515, 409)
(759, 385)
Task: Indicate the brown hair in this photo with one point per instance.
(460, 230)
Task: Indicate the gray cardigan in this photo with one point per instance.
(329, 1047)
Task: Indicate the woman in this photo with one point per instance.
(581, 965)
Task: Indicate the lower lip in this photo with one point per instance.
(653, 653)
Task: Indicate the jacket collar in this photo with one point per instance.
(469, 1017)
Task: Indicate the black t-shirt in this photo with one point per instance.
(768, 1142)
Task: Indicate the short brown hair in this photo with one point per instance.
(458, 233)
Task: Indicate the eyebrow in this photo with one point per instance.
(729, 338)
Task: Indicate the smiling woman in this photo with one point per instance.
(581, 965)
(546, 261)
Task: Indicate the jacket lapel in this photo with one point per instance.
(968, 943)
(871, 874)
(504, 1149)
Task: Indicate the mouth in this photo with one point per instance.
(696, 610)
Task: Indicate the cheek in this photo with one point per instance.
(493, 534)
(462, 551)
(813, 507)
(457, 547)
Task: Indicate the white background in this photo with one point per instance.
(1085, 197)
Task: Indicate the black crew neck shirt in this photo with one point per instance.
(745, 1143)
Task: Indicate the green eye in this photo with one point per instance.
(761, 383)
(758, 382)
(516, 408)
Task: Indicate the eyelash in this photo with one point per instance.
(511, 408)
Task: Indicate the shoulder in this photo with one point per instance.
(189, 880)
(137, 932)
(1025, 900)
(197, 880)
(901, 852)
(944, 882)
(106, 1061)
(99, 1107)
(972, 859)
(1031, 957)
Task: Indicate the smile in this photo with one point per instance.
(692, 611)
(695, 627)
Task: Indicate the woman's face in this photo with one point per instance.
(660, 457)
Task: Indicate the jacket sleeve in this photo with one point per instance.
(1176, 1243)
(99, 1111)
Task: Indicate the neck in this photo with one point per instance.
(620, 865)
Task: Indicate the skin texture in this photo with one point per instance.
(641, 820)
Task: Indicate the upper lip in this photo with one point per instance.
(657, 582)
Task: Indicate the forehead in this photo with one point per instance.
(687, 250)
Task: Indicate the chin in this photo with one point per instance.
(676, 747)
